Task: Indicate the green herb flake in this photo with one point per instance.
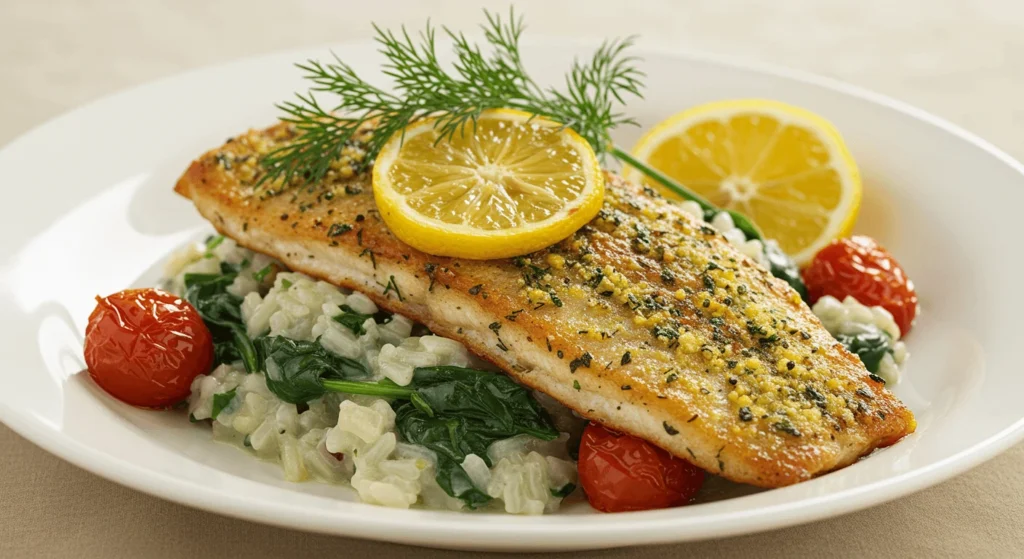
(555, 299)
(373, 259)
(392, 285)
(430, 268)
(663, 331)
(786, 427)
(221, 401)
(263, 273)
(212, 243)
(581, 361)
(337, 229)
(352, 320)
(224, 160)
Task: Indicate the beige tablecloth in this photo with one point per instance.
(962, 60)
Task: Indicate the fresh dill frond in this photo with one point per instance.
(423, 88)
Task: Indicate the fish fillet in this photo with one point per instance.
(646, 320)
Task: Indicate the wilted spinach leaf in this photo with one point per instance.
(224, 351)
(456, 412)
(870, 345)
(245, 348)
(501, 407)
(295, 369)
(221, 311)
(212, 242)
(263, 273)
(354, 321)
(564, 491)
(452, 439)
(783, 267)
(740, 221)
(208, 294)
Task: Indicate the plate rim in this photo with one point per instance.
(637, 529)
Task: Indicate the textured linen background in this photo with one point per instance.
(963, 60)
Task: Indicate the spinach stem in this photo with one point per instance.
(367, 388)
(662, 178)
(741, 221)
(245, 347)
(378, 389)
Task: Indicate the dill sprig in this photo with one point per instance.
(588, 102)
(423, 88)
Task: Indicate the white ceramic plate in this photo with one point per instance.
(90, 211)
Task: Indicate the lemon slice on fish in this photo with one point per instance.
(784, 167)
(511, 185)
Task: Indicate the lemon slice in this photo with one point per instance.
(511, 186)
(785, 168)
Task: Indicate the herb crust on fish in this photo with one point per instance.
(646, 320)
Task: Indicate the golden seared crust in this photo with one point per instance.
(646, 320)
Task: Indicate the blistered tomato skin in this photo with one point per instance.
(860, 267)
(145, 346)
(621, 473)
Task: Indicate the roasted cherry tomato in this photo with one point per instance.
(860, 267)
(144, 347)
(622, 473)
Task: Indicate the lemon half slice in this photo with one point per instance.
(510, 186)
(785, 168)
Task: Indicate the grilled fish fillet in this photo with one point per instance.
(645, 320)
